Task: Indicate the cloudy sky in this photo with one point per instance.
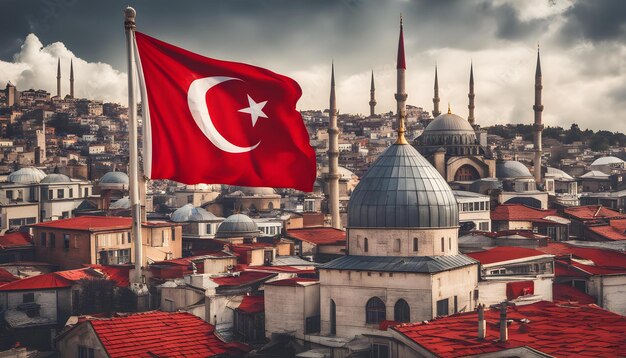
(583, 49)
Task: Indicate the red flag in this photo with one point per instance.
(219, 122)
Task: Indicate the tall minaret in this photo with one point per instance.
(470, 117)
(333, 156)
(436, 112)
(372, 96)
(538, 126)
(401, 93)
(71, 79)
(59, 78)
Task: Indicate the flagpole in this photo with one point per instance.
(129, 25)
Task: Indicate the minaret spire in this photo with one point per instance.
(372, 97)
(470, 117)
(59, 78)
(71, 79)
(401, 95)
(333, 156)
(436, 99)
(538, 125)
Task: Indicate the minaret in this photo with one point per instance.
(59, 78)
(372, 97)
(400, 93)
(470, 117)
(436, 112)
(538, 126)
(333, 156)
(71, 79)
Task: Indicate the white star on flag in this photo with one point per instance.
(255, 110)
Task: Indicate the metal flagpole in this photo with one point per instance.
(129, 25)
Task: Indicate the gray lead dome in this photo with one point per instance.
(403, 190)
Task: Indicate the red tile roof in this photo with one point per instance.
(504, 253)
(47, 281)
(15, 239)
(592, 212)
(295, 281)
(118, 273)
(560, 331)
(319, 235)
(158, 334)
(614, 231)
(283, 269)
(562, 293)
(89, 223)
(508, 212)
(252, 304)
(243, 278)
(601, 257)
(6, 276)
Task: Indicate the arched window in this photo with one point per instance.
(375, 310)
(333, 317)
(415, 244)
(443, 245)
(365, 245)
(270, 206)
(401, 311)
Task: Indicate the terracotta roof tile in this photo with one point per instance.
(15, 239)
(89, 223)
(252, 304)
(561, 331)
(319, 235)
(592, 212)
(506, 212)
(562, 293)
(243, 278)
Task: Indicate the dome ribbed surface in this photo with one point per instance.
(403, 190)
(512, 169)
(27, 175)
(188, 213)
(237, 225)
(56, 178)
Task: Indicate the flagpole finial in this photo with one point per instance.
(129, 14)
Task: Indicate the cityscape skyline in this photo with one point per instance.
(581, 56)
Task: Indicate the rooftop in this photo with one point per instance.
(505, 253)
(614, 231)
(293, 282)
(319, 235)
(17, 239)
(89, 223)
(157, 334)
(413, 264)
(592, 212)
(252, 304)
(508, 212)
(242, 278)
(560, 331)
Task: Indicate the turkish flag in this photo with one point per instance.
(219, 122)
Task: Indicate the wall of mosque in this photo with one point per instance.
(457, 287)
(350, 291)
(287, 307)
(401, 242)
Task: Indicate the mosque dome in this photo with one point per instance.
(189, 213)
(27, 175)
(114, 180)
(448, 129)
(123, 203)
(253, 191)
(512, 169)
(237, 225)
(56, 178)
(402, 190)
(607, 161)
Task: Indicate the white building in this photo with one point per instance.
(473, 210)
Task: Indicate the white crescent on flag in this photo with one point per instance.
(196, 100)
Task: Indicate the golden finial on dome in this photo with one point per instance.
(449, 111)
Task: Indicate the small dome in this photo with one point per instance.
(27, 175)
(607, 161)
(114, 180)
(189, 213)
(557, 174)
(402, 190)
(237, 225)
(512, 169)
(56, 178)
(345, 174)
(449, 122)
(123, 203)
(448, 130)
(253, 191)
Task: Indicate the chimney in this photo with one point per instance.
(504, 329)
(482, 324)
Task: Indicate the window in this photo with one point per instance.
(415, 244)
(86, 192)
(50, 194)
(71, 194)
(483, 226)
(375, 310)
(450, 243)
(456, 304)
(333, 317)
(10, 194)
(52, 242)
(365, 245)
(209, 229)
(66, 241)
(60, 193)
(380, 350)
(173, 234)
(85, 352)
(442, 307)
(396, 245)
(189, 199)
(443, 245)
(28, 297)
(401, 311)
(42, 239)
(65, 214)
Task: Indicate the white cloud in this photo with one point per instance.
(35, 66)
